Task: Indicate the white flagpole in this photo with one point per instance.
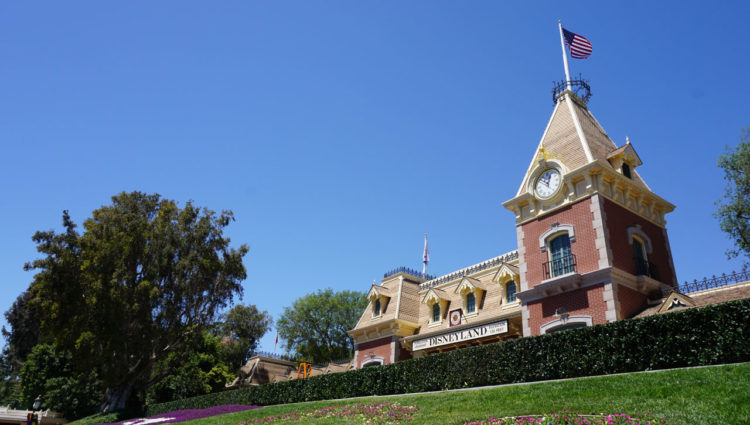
(565, 56)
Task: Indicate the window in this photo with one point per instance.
(376, 308)
(626, 171)
(510, 291)
(638, 252)
(561, 258)
(642, 266)
(567, 327)
(471, 303)
(436, 312)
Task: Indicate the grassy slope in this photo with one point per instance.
(711, 395)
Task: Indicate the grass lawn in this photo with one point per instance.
(709, 395)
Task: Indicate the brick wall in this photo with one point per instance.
(585, 301)
(584, 248)
(618, 221)
(378, 348)
(631, 302)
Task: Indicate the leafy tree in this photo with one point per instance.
(142, 281)
(23, 334)
(244, 326)
(315, 325)
(734, 209)
(197, 372)
(49, 375)
(9, 382)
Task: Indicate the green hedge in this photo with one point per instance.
(701, 336)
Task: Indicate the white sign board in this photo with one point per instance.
(480, 331)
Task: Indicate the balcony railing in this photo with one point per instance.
(646, 268)
(559, 266)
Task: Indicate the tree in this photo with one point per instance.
(48, 373)
(244, 326)
(734, 209)
(143, 281)
(9, 382)
(22, 336)
(200, 372)
(315, 325)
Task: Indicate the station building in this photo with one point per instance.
(592, 247)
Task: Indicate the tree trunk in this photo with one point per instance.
(116, 398)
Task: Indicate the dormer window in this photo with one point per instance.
(510, 291)
(626, 171)
(376, 308)
(437, 301)
(472, 291)
(507, 277)
(471, 303)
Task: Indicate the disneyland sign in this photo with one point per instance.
(480, 331)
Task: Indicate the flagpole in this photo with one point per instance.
(565, 56)
(425, 258)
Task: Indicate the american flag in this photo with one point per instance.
(580, 47)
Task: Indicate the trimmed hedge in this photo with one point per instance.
(700, 336)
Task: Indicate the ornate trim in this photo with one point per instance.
(492, 262)
(565, 320)
(636, 230)
(555, 229)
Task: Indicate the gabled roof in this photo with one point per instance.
(505, 273)
(627, 151)
(434, 295)
(470, 283)
(377, 290)
(574, 138)
(675, 301)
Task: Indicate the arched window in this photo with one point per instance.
(566, 327)
(639, 255)
(561, 258)
(510, 291)
(436, 312)
(376, 308)
(471, 303)
(626, 171)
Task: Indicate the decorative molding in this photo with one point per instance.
(636, 230)
(565, 320)
(372, 360)
(555, 229)
(492, 262)
(595, 177)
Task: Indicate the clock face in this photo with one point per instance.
(547, 183)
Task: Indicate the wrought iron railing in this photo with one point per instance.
(559, 266)
(492, 262)
(715, 281)
(407, 270)
(646, 268)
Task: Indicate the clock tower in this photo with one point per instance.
(592, 238)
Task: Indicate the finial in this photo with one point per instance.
(374, 282)
(627, 140)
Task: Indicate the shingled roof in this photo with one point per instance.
(575, 138)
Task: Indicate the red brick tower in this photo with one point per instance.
(592, 240)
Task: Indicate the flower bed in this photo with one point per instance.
(566, 417)
(365, 413)
(185, 415)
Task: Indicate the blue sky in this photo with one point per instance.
(340, 132)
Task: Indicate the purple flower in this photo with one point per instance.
(185, 415)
